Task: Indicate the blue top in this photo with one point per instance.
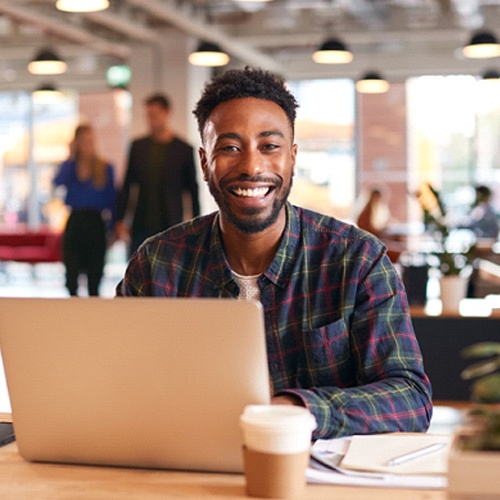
(85, 195)
(484, 221)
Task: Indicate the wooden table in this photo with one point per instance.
(22, 480)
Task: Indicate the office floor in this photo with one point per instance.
(47, 280)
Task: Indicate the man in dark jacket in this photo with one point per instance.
(160, 170)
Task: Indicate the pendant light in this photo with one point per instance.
(47, 93)
(47, 62)
(372, 83)
(82, 5)
(491, 74)
(482, 45)
(332, 51)
(208, 54)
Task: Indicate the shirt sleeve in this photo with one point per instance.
(63, 175)
(111, 194)
(137, 279)
(391, 391)
(129, 180)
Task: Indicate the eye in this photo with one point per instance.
(270, 147)
(228, 148)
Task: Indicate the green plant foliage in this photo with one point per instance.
(488, 420)
(485, 390)
(452, 261)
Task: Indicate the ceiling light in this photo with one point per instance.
(82, 5)
(333, 51)
(47, 93)
(482, 45)
(208, 54)
(372, 83)
(47, 62)
(491, 74)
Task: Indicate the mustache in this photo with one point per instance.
(277, 182)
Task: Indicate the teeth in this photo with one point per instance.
(251, 193)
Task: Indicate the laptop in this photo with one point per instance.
(134, 382)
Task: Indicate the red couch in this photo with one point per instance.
(31, 246)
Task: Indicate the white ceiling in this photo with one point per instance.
(401, 38)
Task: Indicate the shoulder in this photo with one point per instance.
(326, 226)
(327, 239)
(140, 142)
(183, 235)
(181, 144)
(67, 166)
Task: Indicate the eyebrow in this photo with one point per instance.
(265, 133)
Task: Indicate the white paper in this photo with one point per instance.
(372, 452)
(317, 474)
(390, 481)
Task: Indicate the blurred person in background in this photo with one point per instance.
(91, 197)
(374, 216)
(483, 219)
(161, 169)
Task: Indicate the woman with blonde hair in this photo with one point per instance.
(91, 196)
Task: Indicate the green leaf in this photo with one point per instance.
(481, 369)
(487, 389)
(481, 349)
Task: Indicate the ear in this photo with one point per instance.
(203, 162)
(294, 157)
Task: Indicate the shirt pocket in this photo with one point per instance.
(325, 357)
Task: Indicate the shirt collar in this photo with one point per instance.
(219, 271)
(280, 269)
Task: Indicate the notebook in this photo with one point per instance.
(140, 382)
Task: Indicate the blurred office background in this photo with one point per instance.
(435, 120)
(433, 116)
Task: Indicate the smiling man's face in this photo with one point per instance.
(248, 160)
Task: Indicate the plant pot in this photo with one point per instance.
(472, 474)
(453, 290)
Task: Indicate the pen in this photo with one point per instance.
(416, 454)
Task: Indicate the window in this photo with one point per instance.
(34, 139)
(454, 130)
(325, 170)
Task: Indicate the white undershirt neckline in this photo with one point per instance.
(249, 289)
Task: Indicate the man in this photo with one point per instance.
(339, 335)
(483, 220)
(161, 167)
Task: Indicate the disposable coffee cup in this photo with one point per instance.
(276, 445)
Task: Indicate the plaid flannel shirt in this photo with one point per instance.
(338, 330)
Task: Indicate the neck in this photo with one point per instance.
(251, 254)
(164, 134)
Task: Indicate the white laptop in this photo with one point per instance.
(140, 382)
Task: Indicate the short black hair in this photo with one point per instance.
(159, 99)
(483, 191)
(247, 82)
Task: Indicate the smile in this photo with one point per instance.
(251, 193)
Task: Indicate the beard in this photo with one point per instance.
(253, 219)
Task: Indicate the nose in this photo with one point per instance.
(251, 162)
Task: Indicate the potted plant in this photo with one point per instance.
(474, 459)
(451, 255)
